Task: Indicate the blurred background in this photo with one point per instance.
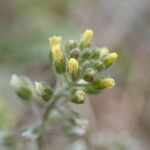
(123, 26)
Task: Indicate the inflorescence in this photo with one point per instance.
(77, 64)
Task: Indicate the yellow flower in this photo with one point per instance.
(107, 83)
(57, 53)
(73, 66)
(55, 40)
(86, 38)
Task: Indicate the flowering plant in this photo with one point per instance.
(77, 67)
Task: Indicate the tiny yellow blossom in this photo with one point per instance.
(57, 53)
(107, 83)
(86, 38)
(110, 59)
(55, 40)
(104, 51)
(73, 66)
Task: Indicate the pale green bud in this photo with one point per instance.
(43, 90)
(98, 65)
(74, 53)
(78, 97)
(89, 75)
(22, 86)
(71, 44)
(103, 51)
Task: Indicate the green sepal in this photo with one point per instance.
(85, 55)
(24, 93)
(98, 65)
(89, 75)
(74, 53)
(95, 54)
(60, 66)
(48, 94)
(71, 44)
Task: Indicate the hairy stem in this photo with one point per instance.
(59, 92)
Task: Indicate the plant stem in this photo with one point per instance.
(51, 105)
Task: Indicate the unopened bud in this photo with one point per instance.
(55, 40)
(99, 84)
(73, 67)
(89, 75)
(59, 60)
(95, 54)
(78, 97)
(86, 39)
(74, 53)
(86, 65)
(57, 53)
(106, 83)
(71, 44)
(22, 86)
(110, 59)
(103, 51)
(43, 90)
(98, 65)
(85, 54)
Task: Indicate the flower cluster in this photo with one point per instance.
(78, 63)
(81, 63)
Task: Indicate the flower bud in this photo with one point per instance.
(86, 39)
(73, 67)
(95, 54)
(98, 65)
(85, 54)
(43, 90)
(74, 53)
(55, 40)
(110, 59)
(78, 97)
(103, 51)
(89, 75)
(22, 86)
(106, 83)
(57, 54)
(86, 65)
(59, 60)
(99, 84)
(71, 44)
